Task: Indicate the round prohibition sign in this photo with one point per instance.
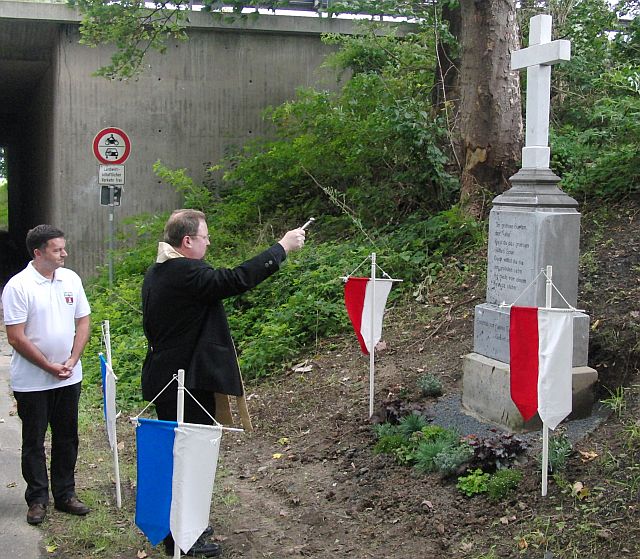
(111, 146)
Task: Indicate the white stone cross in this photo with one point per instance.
(537, 59)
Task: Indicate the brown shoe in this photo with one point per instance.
(73, 505)
(36, 513)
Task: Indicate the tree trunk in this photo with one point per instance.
(489, 133)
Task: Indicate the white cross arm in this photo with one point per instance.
(542, 54)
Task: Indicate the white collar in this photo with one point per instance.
(167, 252)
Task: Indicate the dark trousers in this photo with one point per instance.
(193, 413)
(37, 410)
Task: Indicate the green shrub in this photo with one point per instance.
(502, 483)
(426, 453)
(430, 385)
(560, 449)
(433, 432)
(412, 423)
(437, 442)
(384, 429)
(474, 483)
(451, 459)
(387, 444)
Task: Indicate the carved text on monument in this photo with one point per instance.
(509, 244)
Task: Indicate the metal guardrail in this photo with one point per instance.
(301, 5)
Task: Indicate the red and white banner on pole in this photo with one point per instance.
(541, 348)
(358, 295)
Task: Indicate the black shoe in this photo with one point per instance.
(36, 513)
(72, 505)
(208, 531)
(199, 549)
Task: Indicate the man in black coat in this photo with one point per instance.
(186, 325)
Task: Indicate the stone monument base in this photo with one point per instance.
(486, 393)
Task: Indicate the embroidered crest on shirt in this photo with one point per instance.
(68, 297)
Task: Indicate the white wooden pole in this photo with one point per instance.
(180, 410)
(114, 450)
(372, 350)
(545, 429)
(107, 340)
(180, 419)
(116, 469)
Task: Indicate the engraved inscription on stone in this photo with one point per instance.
(511, 256)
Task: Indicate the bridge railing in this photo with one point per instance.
(303, 5)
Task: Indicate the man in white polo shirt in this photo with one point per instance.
(46, 314)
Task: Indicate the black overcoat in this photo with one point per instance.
(186, 325)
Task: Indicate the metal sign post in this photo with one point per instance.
(112, 232)
(111, 147)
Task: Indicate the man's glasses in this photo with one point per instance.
(207, 237)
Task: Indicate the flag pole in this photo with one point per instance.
(372, 349)
(545, 428)
(180, 410)
(114, 450)
(107, 340)
(180, 418)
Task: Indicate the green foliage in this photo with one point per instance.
(616, 401)
(384, 429)
(435, 432)
(121, 306)
(4, 204)
(437, 450)
(412, 423)
(133, 27)
(197, 197)
(502, 483)
(474, 483)
(596, 132)
(497, 486)
(387, 444)
(560, 449)
(427, 451)
(430, 385)
(452, 458)
(372, 151)
(429, 448)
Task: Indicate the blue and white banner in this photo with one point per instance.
(176, 471)
(109, 399)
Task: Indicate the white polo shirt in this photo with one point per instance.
(49, 309)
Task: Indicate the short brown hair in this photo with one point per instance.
(40, 235)
(180, 224)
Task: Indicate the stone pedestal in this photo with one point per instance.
(531, 226)
(487, 396)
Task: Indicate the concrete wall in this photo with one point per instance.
(187, 108)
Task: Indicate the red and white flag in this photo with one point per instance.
(358, 295)
(541, 348)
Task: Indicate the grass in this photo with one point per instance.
(616, 401)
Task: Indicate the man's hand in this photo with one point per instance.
(60, 370)
(24, 346)
(293, 240)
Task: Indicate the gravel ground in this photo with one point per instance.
(449, 413)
